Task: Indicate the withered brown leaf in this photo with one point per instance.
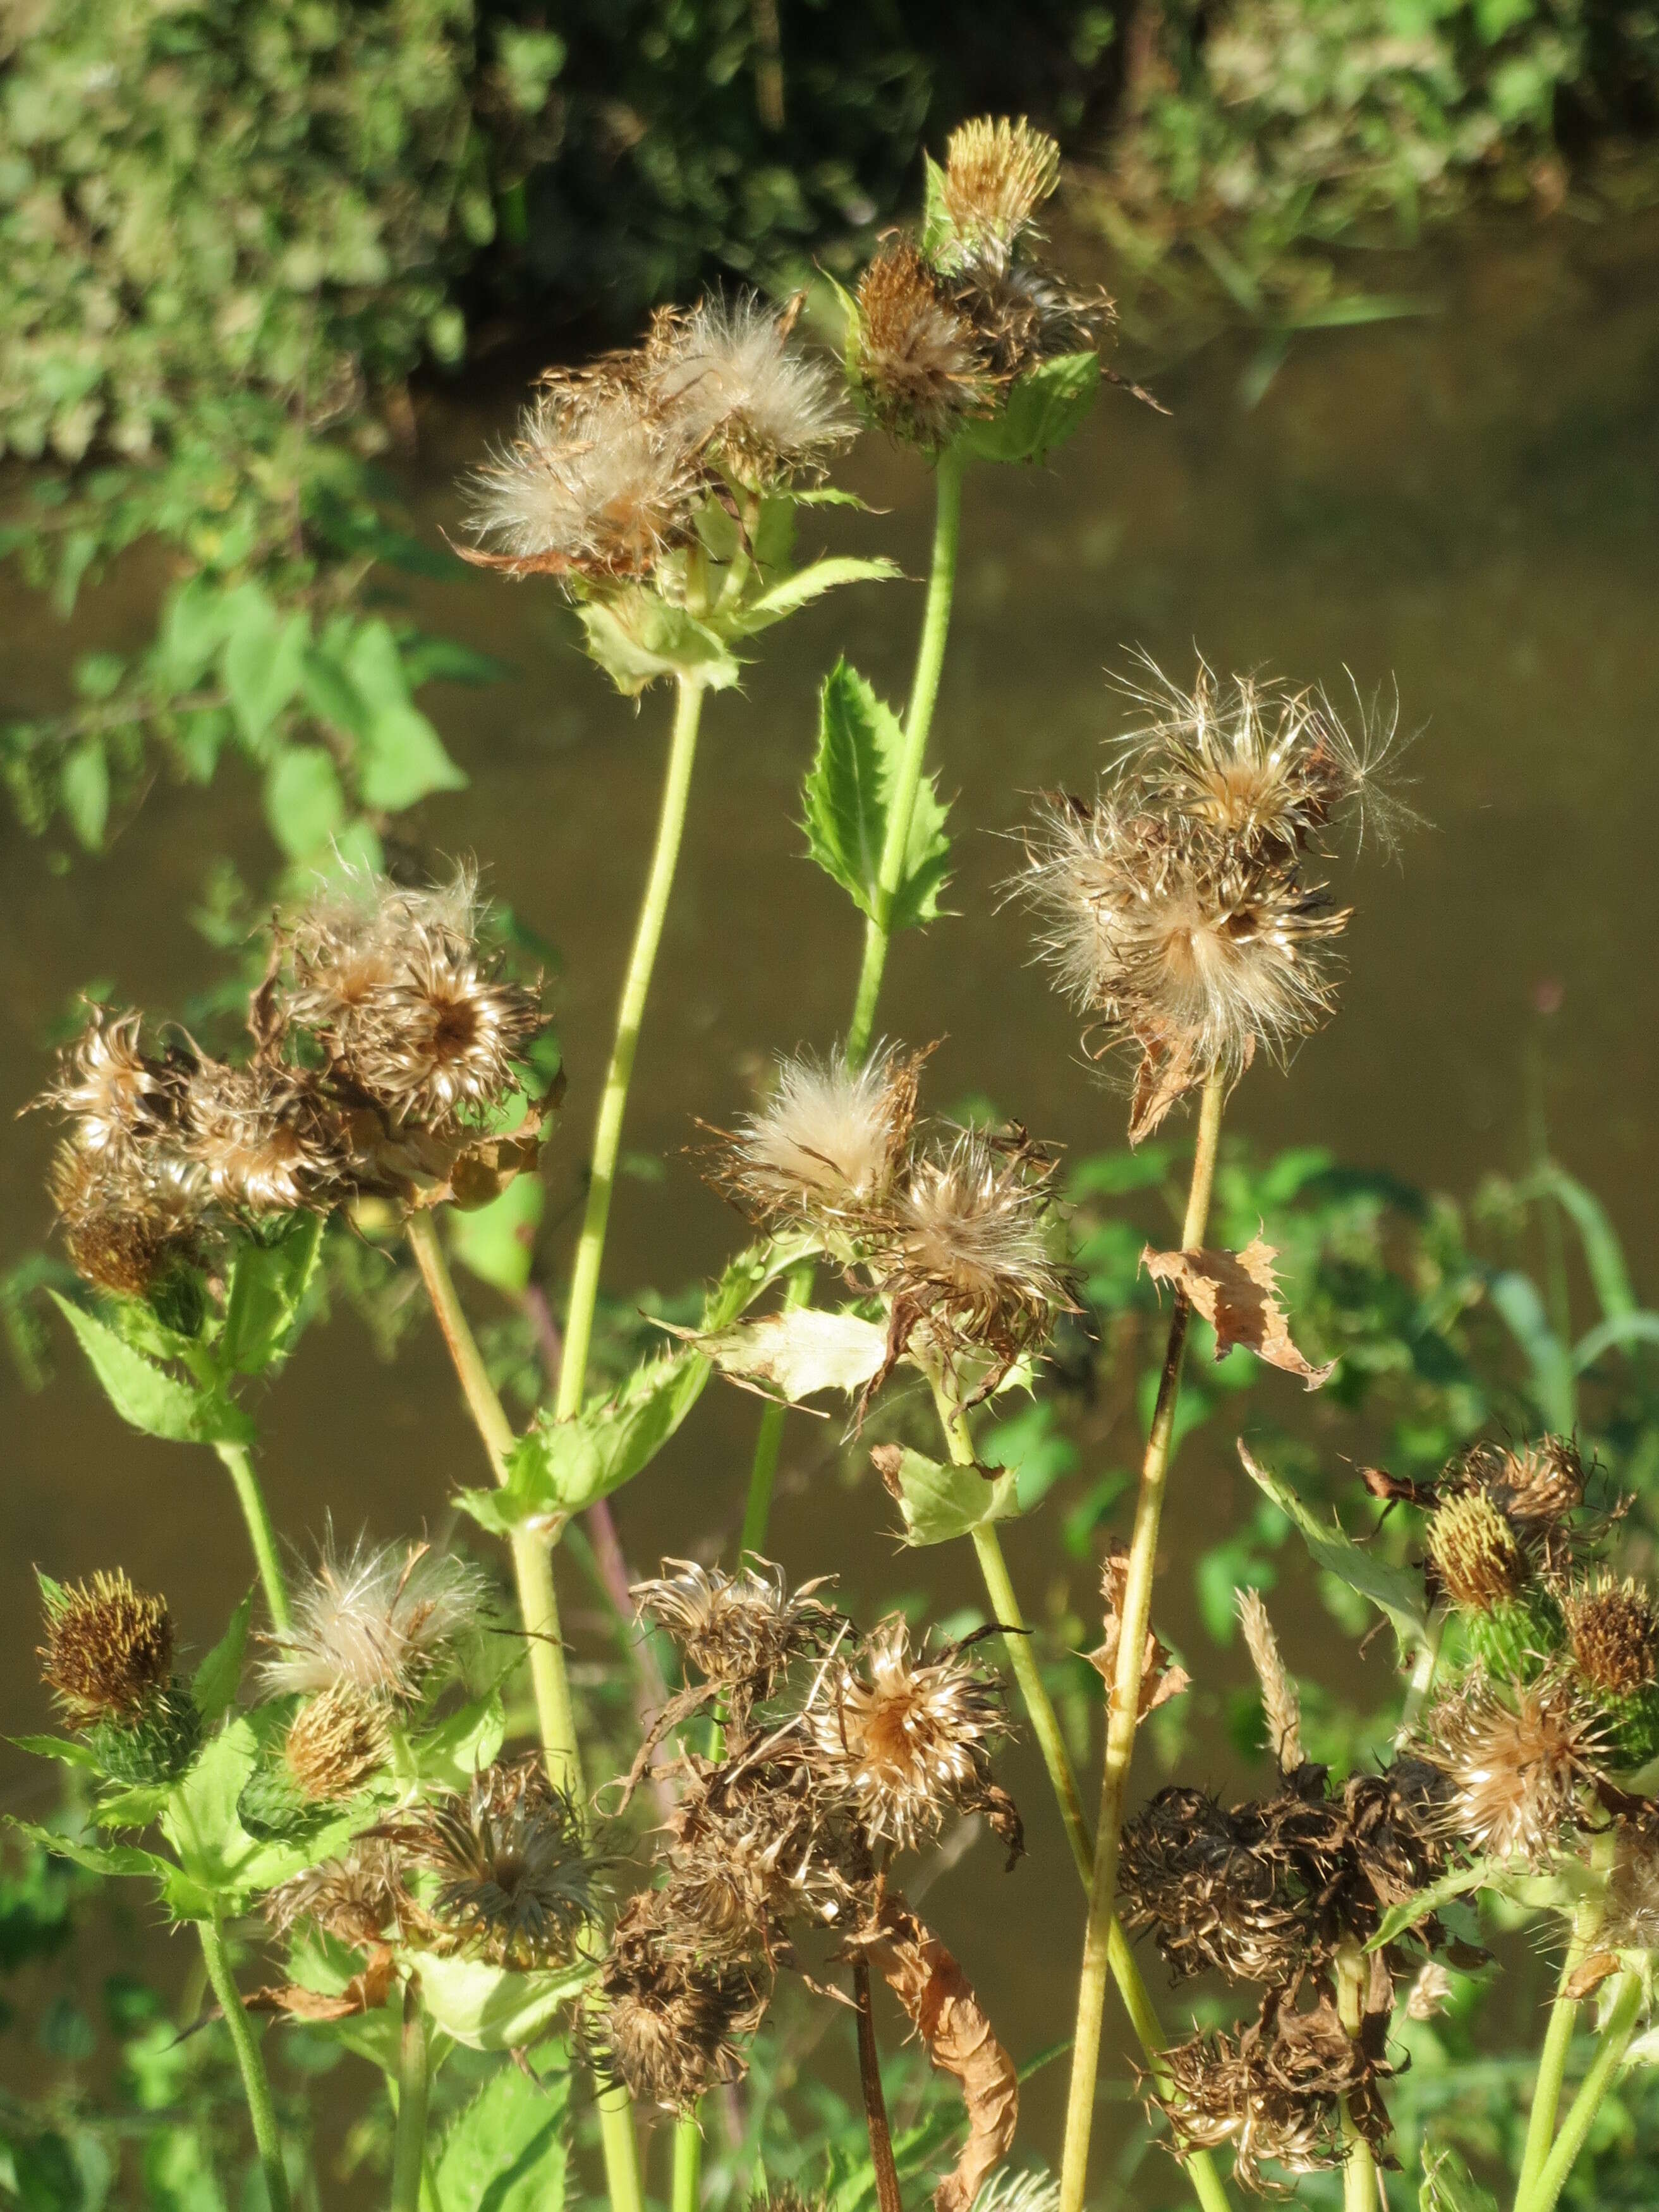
(1237, 1293)
(365, 1992)
(1160, 1678)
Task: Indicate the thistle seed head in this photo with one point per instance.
(670, 2024)
(1517, 1758)
(909, 1739)
(917, 363)
(1222, 2091)
(727, 374)
(997, 175)
(1022, 314)
(129, 1217)
(361, 1897)
(264, 1139)
(1612, 1634)
(116, 1095)
(828, 1143)
(108, 1652)
(379, 1621)
(1477, 1556)
(740, 1630)
(335, 1743)
(1535, 1486)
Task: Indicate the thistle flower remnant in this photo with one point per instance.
(742, 1630)
(1477, 1556)
(910, 1739)
(1238, 2091)
(670, 2024)
(360, 1899)
(1534, 1486)
(997, 175)
(127, 1221)
(108, 1652)
(334, 1744)
(1281, 1703)
(116, 1095)
(382, 1621)
(1518, 1758)
(1613, 1634)
(828, 1143)
(917, 363)
(746, 398)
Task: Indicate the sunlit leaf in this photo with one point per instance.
(147, 1396)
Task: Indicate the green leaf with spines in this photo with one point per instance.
(213, 1686)
(1041, 412)
(149, 1397)
(940, 1501)
(1394, 1590)
(848, 796)
(805, 585)
(505, 2152)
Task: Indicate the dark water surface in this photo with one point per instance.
(1465, 505)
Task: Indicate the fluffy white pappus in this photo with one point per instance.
(973, 1220)
(728, 375)
(597, 481)
(829, 1139)
(381, 1620)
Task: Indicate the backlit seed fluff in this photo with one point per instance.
(997, 175)
(729, 379)
(1477, 1556)
(909, 1737)
(1518, 1757)
(1223, 2091)
(1631, 1922)
(597, 484)
(1613, 1634)
(918, 364)
(262, 1138)
(115, 1093)
(829, 1143)
(335, 1743)
(379, 1620)
(108, 1650)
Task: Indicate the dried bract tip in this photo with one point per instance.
(1518, 1757)
(1476, 1554)
(1280, 1702)
(1534, 1486)
(381, 1621)
(1612, 1634)
(830, 1142)
(1631, 1919)
(335, 1743)
(909, 1738)
(918, 363)
(728, 376)
(108, 1651)
(1223, 2090)
(997, 175)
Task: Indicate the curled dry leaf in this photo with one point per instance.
(1160, 1678)
(365, 1992)
(939, 2000)
(1588, 1978)
(791, 1355)
(1237, 1293)
(1166, 1074)
(467, 1170)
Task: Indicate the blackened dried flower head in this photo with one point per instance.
(1613, 1634)
(517, 1882)
(381, 1621)
(117, 1096)
(1478, 1558)
(671, 2023)
(741, 1628)
(1187, 946)
(997, 175)
(964, 1256)
(828, 1143)
(129, 1218)
(598, 485)
(108, 1652)
(1222, 2091)
(759, 1844)
(730, 379)
(918, 364)
(909, 1738)
(263, 1138)
(335, 1743)
(360, 1899)
(1197, 1876)
(1518, 1758)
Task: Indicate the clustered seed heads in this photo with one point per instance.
(838, 1751)
(385, 1038)
(614, 462)
(941, 332)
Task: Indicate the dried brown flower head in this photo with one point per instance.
(828, 1143)
(1534, 1486)
(108, 1651)
(909, 1738)
(599, 485)
(361, 1897)
(264, 1137)
(1612, 1634)
(518, 1884)
(997, 175)
(1518, 1758)
(379, 1621)
(1022, 314)
(335, 1743)
(741, 1628)
(1477, 1556)
(671, 2023)
(129, 1217)
(1222, 2091)
(117, 1096)
(727, 375)
(918, 363)
(1196, 1876)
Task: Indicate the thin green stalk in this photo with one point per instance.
(414, 2082)
(687, 2186)
(1123, 1703)
(878, 930)
(1045, 1726)
(1359, 2185)
(1611, 2046)
(1558, 2036)
(256, 2084)
(631, 1013)
(918, 722)
(239, 1464)
(1422, 1675)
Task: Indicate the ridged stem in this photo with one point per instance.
(1564, 2018)
(686, 2190)
(1123, 1702)
(239, 1464)
(630, 1014)
(1610, 2048)
(1360, 2187)
(414, 2082)
(256, 2083)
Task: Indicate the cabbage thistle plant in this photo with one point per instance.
(352, 1780)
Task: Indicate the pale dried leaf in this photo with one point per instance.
(1160, 1678)
(365, 1992)
(1280, 1702)
(939, 2002)
(1237, 1293)
(793, 1355)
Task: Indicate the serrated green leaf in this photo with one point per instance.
(1041, 412)
(1398, 1917)
(61, 1749)
(463, 1745)
(213, 1686)
(1394, 1590)
(263, 661)
(941, 1502)
(635, 637)
(267, 1294)
(505, 2151)
(149, 1397)
(848, 796)
(97, 1858)
(489, 2007)
(497, 1242)
(135, 1808)
(805, 585)
(402, 759)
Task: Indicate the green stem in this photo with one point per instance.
(622, 2151)
(631, 1013)
(1123, 1703)
(414, 2081)
(1045, 1726)
(1558, 2036)
(1359, 2185)
(256, 2085)
(687, 2188)
(1422, 1676)
(918, 722)
(239, 1464)
(1610, 2046)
